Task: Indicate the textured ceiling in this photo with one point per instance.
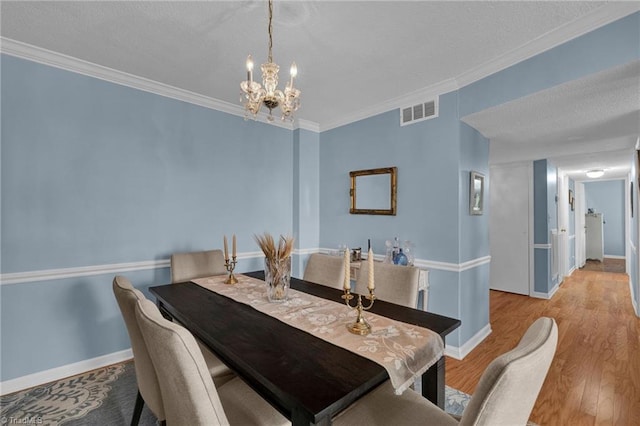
(588, 123)
(351, 55)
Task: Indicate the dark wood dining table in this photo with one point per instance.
(309, 380)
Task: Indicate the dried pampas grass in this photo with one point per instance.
(267, 244)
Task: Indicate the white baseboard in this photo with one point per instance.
(633, 300)
(42, 377)
(464, 350)
(540, 295)
(611, 256)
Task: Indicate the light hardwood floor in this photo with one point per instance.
(595, 375)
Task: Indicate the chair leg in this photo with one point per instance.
(137, 410)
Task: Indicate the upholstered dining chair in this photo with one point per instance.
(394, 283)
(505, 395)
(148, 387)
(196, 264)
(326, 270)
(199, 264)
(190, 397)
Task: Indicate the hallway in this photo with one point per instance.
(595, 376)
(608, 265)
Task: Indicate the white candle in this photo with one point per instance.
(347, 270)
(294, 72)
(371, 285)
(234, 246)
(226, 249)
(249, 68)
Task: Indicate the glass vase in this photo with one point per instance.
(277, 275)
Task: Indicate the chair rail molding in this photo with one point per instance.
(116, 268)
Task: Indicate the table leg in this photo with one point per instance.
(433, 383)
(299, 418)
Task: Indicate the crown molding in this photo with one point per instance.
(312, 126)
(68, 63)
(602, 16)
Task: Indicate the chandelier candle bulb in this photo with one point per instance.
(226, 249)
(347, 270)
(233, 253)
(294, 73)
(249, 68)
(371, 285)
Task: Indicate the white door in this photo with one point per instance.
(510, 227)
(580, 227)
(595, 242)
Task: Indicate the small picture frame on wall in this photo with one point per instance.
(572, 200)
(476, 193)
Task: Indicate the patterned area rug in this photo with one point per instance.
(58, 402)
(105, 397)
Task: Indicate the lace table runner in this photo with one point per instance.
(404, 350)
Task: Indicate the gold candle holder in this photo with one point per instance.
(360, 326)
(231, 265)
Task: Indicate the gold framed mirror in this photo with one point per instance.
(373, 191)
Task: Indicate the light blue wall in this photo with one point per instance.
(434, 159)
(95, 173)
(474, 235)
(608, 198)
(427, 157)
(474, 229)
(545, 219)
(306, 197)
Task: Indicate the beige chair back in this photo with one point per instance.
(510, 385)
(127, 297)
(196, 264)
(326, 270)
(188, 392)
(394, 283)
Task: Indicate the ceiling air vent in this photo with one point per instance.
(420, 112)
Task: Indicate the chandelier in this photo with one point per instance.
(255, 95)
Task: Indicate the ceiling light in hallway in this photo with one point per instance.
(595, 173)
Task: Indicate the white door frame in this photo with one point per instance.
(580, 236)
(563, 225)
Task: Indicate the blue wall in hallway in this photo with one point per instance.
(608, 197)
(545, 189)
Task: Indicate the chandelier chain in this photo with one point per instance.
(270, 30)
